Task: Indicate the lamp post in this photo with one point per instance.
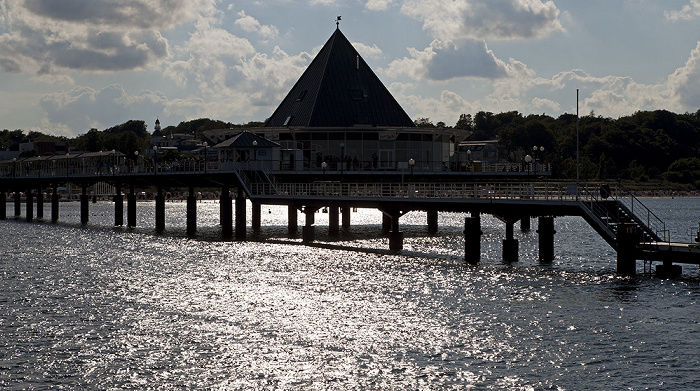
(411, 163)
(206, 155)
(528, 160)
(535, 149)
(255, 150)
(323, 166)
(469, 159)
(136, 161)
(155, 159)
(342, 157)
(14, 168)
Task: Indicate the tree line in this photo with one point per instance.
(658, 146)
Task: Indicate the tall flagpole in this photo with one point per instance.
(578, 159)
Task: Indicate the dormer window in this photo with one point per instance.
(356, 94)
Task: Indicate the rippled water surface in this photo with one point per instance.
(98, 307)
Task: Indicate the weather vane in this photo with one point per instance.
(337, 22)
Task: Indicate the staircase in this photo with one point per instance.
(604, 214)
(256, 179)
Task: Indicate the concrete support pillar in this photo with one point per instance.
(472, 239)
(54, 203)
(226, 213)
(668, 270)
(255, 218)
(545, 229)
(240, 215)
(131, 207)
(18, 203)
(333, 220)
(160, 210)
(345, 211)
(191, 212)
(292, 217)
(118, 205)
(386, 222)
(40, 204)
(3, 205)
(432, 221)
(30, 205)
(308, 234)
(395, 236)
(84, 206)
(525, 223)
(627, 240)
(510, 245)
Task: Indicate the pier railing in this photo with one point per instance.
(547, 191)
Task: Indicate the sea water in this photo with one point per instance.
(98, 307)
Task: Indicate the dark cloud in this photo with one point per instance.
(137, 13)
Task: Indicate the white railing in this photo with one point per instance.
(546, 191)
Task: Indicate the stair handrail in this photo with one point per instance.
(632, 203)
(245, 181)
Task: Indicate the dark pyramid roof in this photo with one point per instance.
(339, 89)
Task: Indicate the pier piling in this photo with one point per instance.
(472, 239)
(54, 203)
(545, 229)
(510, 244)
(333, 220)
(30, 205)
(240, 215)
(40, 205)
(626, 246)
(160, 210)
(292, 217)
(191, 212)
(226, 213)
(118, 205)
(432, 221)
(308, 231)
(131, 207)
(84, 206)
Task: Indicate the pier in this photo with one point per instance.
(617, 216)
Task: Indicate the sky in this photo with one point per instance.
(71, 65)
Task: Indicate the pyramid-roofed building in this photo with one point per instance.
(339, 115)
(339, 89)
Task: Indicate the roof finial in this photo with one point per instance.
(337, 22)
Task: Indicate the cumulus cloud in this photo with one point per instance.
(368, 51)
(444, 61)
(688, 12)
(378, 5)
(45, 37)
(250, 24)
(450, 20)
(82, 108)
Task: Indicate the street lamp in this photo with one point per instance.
(255, 149)
(155, 159)
(136, 161)
(528, 160)
(342, 157)
(411, 163)
(535, 149)
(469, 159)
(323, 166)
(206, 156)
